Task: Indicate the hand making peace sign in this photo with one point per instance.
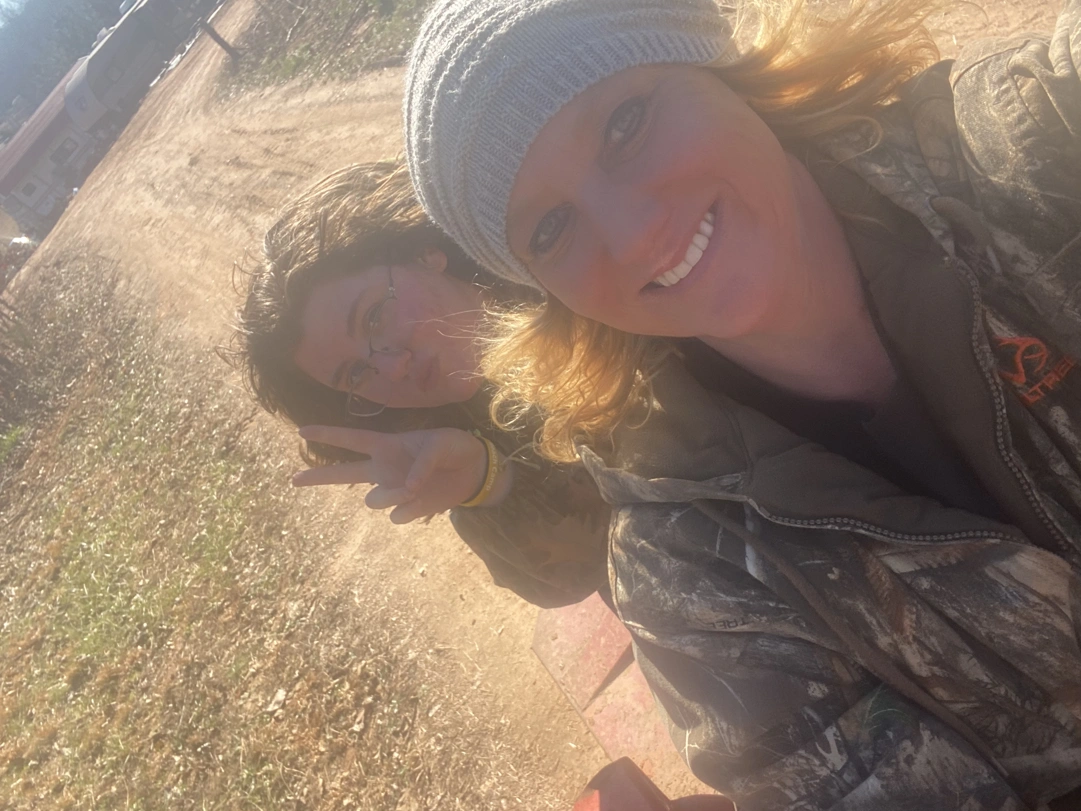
(417, 473)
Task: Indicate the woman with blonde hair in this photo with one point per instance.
(850, 565)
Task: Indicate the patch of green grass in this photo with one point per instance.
(164, 639)
(9, 440)
(326, 39)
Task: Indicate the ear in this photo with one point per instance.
(434, 260)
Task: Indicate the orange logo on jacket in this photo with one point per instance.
(1030, 366)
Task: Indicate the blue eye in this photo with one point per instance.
(624, 123)
(549, 230)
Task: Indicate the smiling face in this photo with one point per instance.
(659, 203)
(424, 337)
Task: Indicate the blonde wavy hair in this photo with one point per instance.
(808, 70)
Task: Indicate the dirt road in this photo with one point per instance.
(195, 178)
(191, 185)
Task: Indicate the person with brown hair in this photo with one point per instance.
(360, 325)
(850, 566)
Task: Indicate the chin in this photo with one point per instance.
(467, 392)
(455, 395)
(739, 312)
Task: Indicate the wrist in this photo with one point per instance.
(490, 476)
(504, 483)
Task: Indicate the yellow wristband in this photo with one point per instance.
(490, 475)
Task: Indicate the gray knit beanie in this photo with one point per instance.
(486, 75)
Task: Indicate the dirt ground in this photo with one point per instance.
(188, 188)
(191, 185)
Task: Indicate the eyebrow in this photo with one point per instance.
(351, 331)
(351, 318)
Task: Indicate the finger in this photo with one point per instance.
(413, 511)
(352, 439)
(379, 498)
(345, 473)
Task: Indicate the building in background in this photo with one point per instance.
(43, 162)
(62, 141)
(130, 55)
(9, 229)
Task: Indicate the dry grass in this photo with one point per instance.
(325, 39)
(165, 637)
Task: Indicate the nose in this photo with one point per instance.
(629, 223)
(392, 365)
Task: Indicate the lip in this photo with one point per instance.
(652, 288)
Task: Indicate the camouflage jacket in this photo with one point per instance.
(746, 619)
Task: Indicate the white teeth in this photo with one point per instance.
(699, 243)
(672, 276)
(676, 274)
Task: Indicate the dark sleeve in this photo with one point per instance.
(1018, 108)
(835, 743)
(763, 705)
(547, 541)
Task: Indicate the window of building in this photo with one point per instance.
(63, 153)
(29, 189)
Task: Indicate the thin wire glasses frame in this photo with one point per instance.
(362, 373)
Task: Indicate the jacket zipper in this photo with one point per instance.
(1000, 413)
(874, 531)
(863, 527)
(844, 523)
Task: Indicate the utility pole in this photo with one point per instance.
(234, 54)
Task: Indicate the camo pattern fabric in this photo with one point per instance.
(986, 152)
(765, 703)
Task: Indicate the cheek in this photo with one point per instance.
(584, 280)
(413, 320)
(432, 326)
(716, 123)
(311, 359)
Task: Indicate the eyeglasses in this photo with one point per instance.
(377, 321)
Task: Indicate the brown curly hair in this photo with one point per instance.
(358, 217)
